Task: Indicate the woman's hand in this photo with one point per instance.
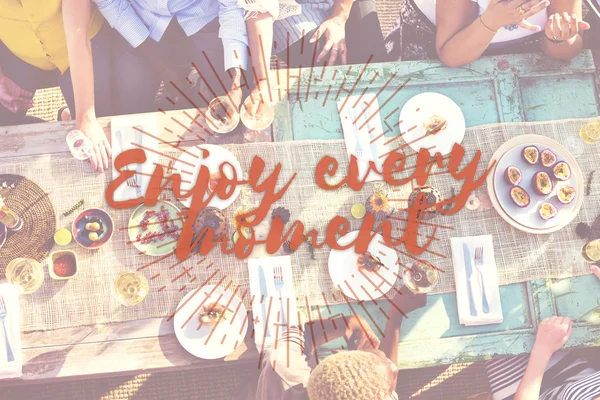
(13, 97)
(564, 26)
(359, 335)
(512, 12)
(595, 270)
(552, 334)
(334, 32)
(102, 151)
(408, 302)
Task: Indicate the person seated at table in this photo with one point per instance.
(461, 31)
(36, 39)
(159, 41)
(548, 373)
(342, 31)
(368, 371)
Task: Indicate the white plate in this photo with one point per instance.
(430, 104)
(363, 285)
(217, 156)
(227, 334)
(162, 243)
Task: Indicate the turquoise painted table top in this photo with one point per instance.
(515, 88)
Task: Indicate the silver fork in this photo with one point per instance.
(9, 354)
(278, 276)
(479, 267)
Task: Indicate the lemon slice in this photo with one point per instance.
(62, 237)
(358, 211)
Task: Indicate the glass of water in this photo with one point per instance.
(80, 146)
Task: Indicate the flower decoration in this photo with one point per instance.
(473, 202)
(378, 205)
(282, 213)
(238, 213)
(432, 196)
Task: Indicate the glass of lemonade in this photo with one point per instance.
(131, 288)
(25, 274)
(221, 116)
(420, 277)
(257, 114)
(590, 252)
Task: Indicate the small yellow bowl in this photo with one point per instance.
(55, 256)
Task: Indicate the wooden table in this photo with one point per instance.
(501, 89)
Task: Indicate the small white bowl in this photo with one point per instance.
(54, 256)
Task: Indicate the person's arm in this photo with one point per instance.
(552, 334)
(123, 18)
(562, 37)
(462, 36)
(76, 17)
(260, 36)
(354, 329)
(334, 31)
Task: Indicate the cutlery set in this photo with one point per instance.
(479, 269)
(3, 314)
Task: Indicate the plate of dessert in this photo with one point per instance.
(155, 230)
(210, 322)
(92, 228)
(211, 156)
(365, 276)
(432, 121)
(536, 184)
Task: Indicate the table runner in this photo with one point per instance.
(88, 299)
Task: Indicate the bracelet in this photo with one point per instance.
(486, 27)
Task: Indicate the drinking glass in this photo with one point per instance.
(25, 274)
(80, 146)
(131, 288)
(221, 116)
(254, 118)
(420, 277)
(590, 252)
(9, 218)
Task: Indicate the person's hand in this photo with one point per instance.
(13, 97)
(359, 335)
(552, 334)
(408, 301)
(595, 270)
(102, 153)
(564, 26)
(334, 32)
(512, 12)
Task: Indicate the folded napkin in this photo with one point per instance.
(361, 127)
(124, 133)
(263, 292)
(10, 369)
(490, 280)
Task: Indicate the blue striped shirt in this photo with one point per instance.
(136, 20)
(314, 13)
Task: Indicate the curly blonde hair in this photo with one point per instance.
(349, 375)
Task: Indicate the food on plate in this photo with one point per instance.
(369, 262)
(519, 196)
(562, 171)
(432, 196)
(93, 229)
(213, 312)
(92, 226)
(513, 175)
(93, 236)
(213, 181)
(65, 266)
(379, 206)
(531, 154)
(157, 226)
(548, 211)
(542, 183)
(566, 194)
(548, 158)
(209, 217)
(435, 124)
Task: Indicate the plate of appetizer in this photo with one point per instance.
(364, 276)
(210, 322)
(536, 184)
(432, 121)
(92, 228)
(211, 156)
(155, 230)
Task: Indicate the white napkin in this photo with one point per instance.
(13, 331)
(490, 279)
(273, 330)
(123, 135)
(358, 136)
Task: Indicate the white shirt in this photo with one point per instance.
(506, 33)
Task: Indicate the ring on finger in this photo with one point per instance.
(521, 10)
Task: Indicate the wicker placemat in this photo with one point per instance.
(34, 240)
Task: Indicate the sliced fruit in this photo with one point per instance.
(548, 158)
(548, 211)
(513, 175)
(542, 183)
(519, 196)
(562, 171)
(566, 194)
(531, 154)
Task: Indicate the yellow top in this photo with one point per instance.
(34, 32)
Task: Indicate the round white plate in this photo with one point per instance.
(363, 285)
(227, 334)
(528, 219)
(217, 156)
(161, 243)
(430, 104)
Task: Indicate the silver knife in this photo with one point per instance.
(469, 270)
(262, 280)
